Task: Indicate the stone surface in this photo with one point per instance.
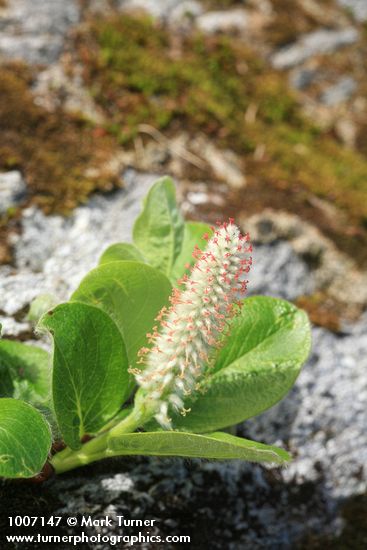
(223, 21)
(301, 78)
(357, 7)
(10, 327)
(160, 9)
(176, 154)
(12, 190)
(318, 42)
(339, 92)
(54, 88)
(278, 271)
(233, 505)
(34, 31)
(331, 270)
(346, 130)
(177, 12)
(187, 10)
(225, 165)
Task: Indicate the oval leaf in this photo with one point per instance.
(25, 439)
(220, 446)
(268, 343)
(90, 378)
(25, 372)
(158, 231)
(121, 252)
(131, 293)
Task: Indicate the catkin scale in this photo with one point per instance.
(193, 324)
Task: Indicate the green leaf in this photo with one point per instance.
(25, 372)
(158, 231)
(193, 235)
(121, 252)
(220, 446)
(25, 439)
(131, 293)
(267, 345)
(40, 305)
(90, 378)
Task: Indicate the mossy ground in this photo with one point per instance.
(138, 72)
(54, 151)
(141, 73)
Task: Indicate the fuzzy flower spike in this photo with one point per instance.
(194, 323)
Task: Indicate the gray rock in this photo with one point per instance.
(12, 190)
(357, 7)
(175, 11)
(120, 483)
(224, 164)
(53, 87)
(223, 21)
(232, 505)
(34, 31)
(340, 92)
(186, 10)
(10, 327)
(301, 78)
(159, 9)
(278, 271)
(331, 270)
(347, 131)
(18, 290)
(318, 42)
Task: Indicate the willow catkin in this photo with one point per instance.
(194, 323)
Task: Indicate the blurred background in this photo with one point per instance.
(258, 110)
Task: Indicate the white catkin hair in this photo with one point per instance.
(192, 326)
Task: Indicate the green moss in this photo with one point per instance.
(137, 78)
(321, 166)
(138, 73)
(53, 150)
